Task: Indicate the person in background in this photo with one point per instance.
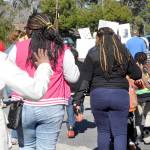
(13, 37)
(147, 52)
(105, 69)
(42, 120)
(17, 35)
(143, 93)
(74, 87)
(135, 44)
(19, 81)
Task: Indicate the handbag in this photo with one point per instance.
(15, 115)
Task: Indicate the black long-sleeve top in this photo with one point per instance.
(94, 76)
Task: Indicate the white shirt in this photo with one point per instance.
(19, 81)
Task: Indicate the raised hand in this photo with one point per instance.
(41, 57)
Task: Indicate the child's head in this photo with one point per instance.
(140, 58)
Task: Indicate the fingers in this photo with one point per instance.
(77, 107)
(40, 53)
(41, 56)
(46, 53)
(36, 56)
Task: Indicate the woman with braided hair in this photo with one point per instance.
(105, 69)
(42, 120)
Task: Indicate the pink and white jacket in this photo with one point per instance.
(58, 90)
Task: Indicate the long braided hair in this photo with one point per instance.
(113, 54)
(43, 35)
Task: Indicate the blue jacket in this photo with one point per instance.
(136, 44)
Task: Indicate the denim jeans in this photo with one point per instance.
(14, 134)
(41, 126)
(70, 114)
(110, 108)
(3, 131)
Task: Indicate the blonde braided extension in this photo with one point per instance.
(41, 22)
(117, 54)
(103, 58)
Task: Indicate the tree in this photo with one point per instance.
(114, 11)
(136, 5)
(141, 13)
(1, 2)
(5, 22)
(22, 3)
(71, 16)
(145, 15)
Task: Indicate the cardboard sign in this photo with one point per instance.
(83, 46)
(85, 33)
(110, 24)
(124, 32)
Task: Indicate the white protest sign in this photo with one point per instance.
(83, 46)
(124, 32)
(85, 33)
(110, 24)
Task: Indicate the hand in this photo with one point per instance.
(140, 66)
(41, 57)
(78, 113)
(139, 83)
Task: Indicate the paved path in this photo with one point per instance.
(86, 138)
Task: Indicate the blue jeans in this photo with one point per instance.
(41, 126)
(110, 108)
(70, 114)
(14, 134)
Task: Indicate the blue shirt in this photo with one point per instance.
(135, 44)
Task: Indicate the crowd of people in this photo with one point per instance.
(45, 73)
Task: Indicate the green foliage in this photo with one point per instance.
(138, 20)
(5, 23)
(48, 6)
(5, 27)
(88, 17)
(147, 29)
(145, 15)
(114, 11)
(72, 17)
(1, 2)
